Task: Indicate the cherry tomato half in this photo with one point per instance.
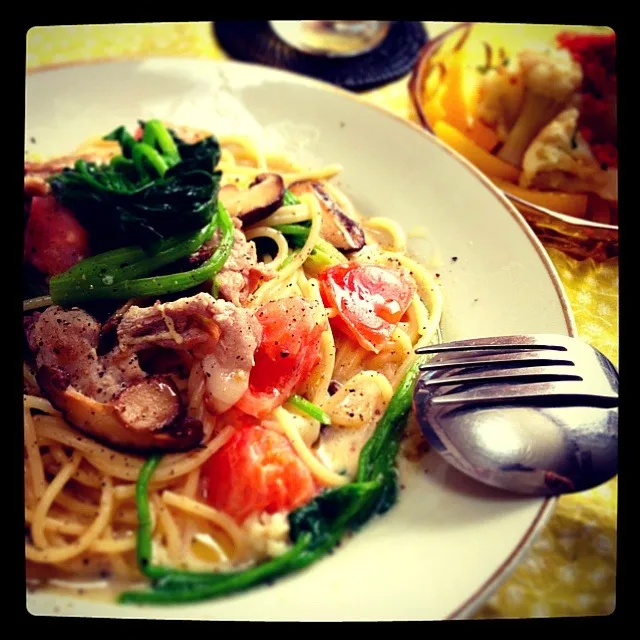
(53, 239)
(256, 470)
(370, 301)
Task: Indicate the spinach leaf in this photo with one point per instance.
(158, 187)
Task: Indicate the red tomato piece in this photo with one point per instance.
(370, 301)
(288, 352)
(54, 240)
(257, 470)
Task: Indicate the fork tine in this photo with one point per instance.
(531, 391)
(482, 358)
(511, 375)
(523, 342)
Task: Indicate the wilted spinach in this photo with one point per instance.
(157, 187)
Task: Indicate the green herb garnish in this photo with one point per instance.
(310, 409)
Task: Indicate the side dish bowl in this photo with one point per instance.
(454, 56)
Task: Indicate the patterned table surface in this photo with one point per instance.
(571, 569)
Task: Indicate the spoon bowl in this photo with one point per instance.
(542, 444)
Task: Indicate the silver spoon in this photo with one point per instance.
(535, 414)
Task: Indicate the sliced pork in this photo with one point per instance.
(68, 339)
(222, 337)
(242, 273)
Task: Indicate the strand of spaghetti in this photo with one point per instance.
(276, 236)
(227, 157)
(324, 173)
(76, 506)
(102, 545)
(59, 554)
(285, 288)
(191, 484)
(35, 402)
(394, 352)
(312, 295)
(128, 491)
(190, 488)
(418, 319)
(317, 386)
(51, 524)
(119, 566)
(262, 295)
(52, 467)
(34, 459)
(170, 529)
(274, 161)
(220, 519)
(126, 516)
(282, 162)
(319, 470)
(289, 214)
(389, 227)
(87, 477)
(29, 494)
(349, 358)
(122, 466)
(114, 546)
(248, 148)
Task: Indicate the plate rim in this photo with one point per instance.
(474, 601)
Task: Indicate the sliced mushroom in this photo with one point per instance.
(337, 227)
(261, 199)
(146, 415)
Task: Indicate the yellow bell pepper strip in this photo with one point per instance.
(483, 160)
(484, 136)
(453, 101)
(572, 204)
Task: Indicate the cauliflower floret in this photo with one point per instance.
(560, 159)
(551, 80)
(500, 95)
(552, 73)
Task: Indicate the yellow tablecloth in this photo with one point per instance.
(572, 567)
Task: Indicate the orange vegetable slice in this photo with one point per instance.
(483, 160)
(482, 135)
(573, 204)
(453, 100)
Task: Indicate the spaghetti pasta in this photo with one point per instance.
(80, 491)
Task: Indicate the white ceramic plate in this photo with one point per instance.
(449, 542)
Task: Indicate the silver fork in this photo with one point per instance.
(535, 414)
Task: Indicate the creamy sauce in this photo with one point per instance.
(96, 591)
(339, 449)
